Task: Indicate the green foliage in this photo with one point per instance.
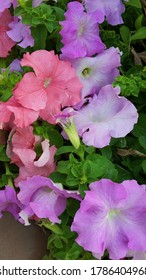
(133, 82)
(48, 131)
(44, 21)
(7, 83)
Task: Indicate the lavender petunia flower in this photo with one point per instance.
(112, 11)
(105, 117)
(20, 33)
(43, 198)
(5, 4)
(112, 216)
(36, 3)
(9, 202)
(15, 66)
(80, 33)
(96, 72)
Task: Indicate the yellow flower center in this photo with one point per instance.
(47, 82)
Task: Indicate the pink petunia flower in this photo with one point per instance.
(53, 86)
(112, 11)
(28, 163)
(5, 42)
(105, 117)
(21, 138)
(43, 198)
(80, 32)
(12, 111)
(112, 216)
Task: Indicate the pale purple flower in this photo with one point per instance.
(20, 33)
(107, 115)
(137, 255)
(5, 4)
(43, 198)
(15, 66)
(9, 202)
(36, 3)
(80, 32)
(96, 72)
(111, 10)
(112, 216)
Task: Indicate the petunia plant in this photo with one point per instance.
(73, 124)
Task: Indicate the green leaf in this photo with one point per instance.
(72, 207)
(134, 3)
(65, 149)
(139, 20)
(139, 34)
(73, 252)
(58, 243)
(60, 255)
(129, 85)
(106, 152)
(90, 149)
(144, 166)
(63, 166)
(140, 127)
(39, 34)
(82, 189)
(125, 34)
(99, 166)
(3, 156)
(59, 13)
(71, 181)
(142, 141)
(56, 177)
(67, 233)
(55, 138)
(49, 26)
(111, 174)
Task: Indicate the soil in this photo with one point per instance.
(19, 242)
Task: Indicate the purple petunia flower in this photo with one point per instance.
(43, 198)
(137, 255)
(80, 33)
(9, 202)
(20, 33)
(112, 216)
(15, 66)
(105, 117)
(96, 72)
(36, 3)
(112, 11)
(5, 4)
